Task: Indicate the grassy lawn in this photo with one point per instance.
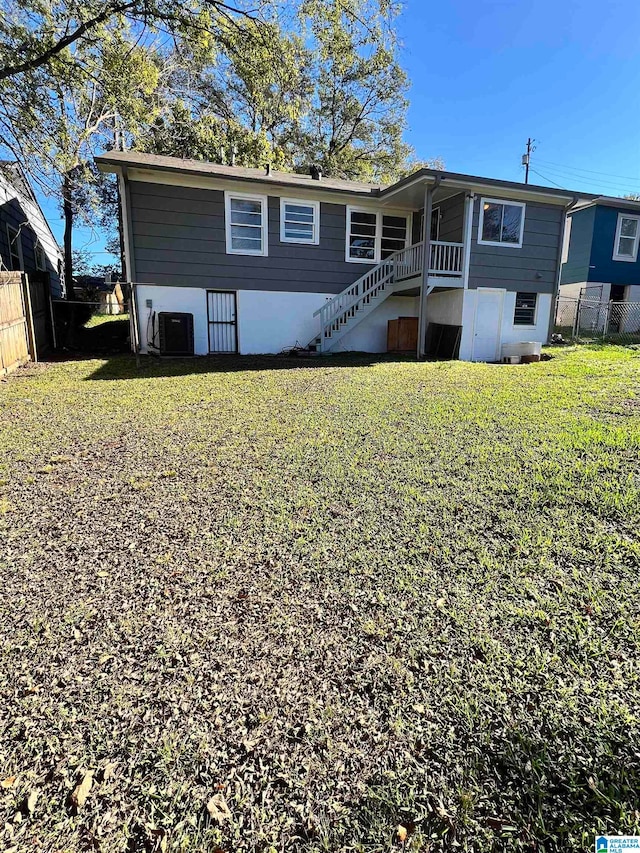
(366, 606)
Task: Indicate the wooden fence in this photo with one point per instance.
(17, 343)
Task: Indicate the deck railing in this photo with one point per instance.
(446, 258)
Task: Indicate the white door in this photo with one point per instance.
(487, 324)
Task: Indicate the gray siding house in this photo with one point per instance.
(264, 260)
(26, 240)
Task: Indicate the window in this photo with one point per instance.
(246, 224)
(501, 223)
(627, 232)
(41, 258)
(372, 236)
(525, 312)
(394, 235)
(299, 221)
(435, 224)
(15, 248)
(361, 237)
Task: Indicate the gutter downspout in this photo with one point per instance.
(426, 263)
(556, 290)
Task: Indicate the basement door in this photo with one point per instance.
(221, 314)
(487, 324)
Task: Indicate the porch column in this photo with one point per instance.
(469, 201)
(426, 262)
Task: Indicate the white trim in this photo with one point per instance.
(484, 200)
(315, 205)
(616, 243)
(377, 246)
(566, 239)
(502, 291)
(264, 224)
(126, 226)
(16, 241)
(469, 202)
(38, 250)
(234, 186)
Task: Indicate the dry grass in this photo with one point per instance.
(343, 597)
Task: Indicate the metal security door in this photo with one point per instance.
(223, 330)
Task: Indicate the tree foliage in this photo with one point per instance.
(323, 86)
(289, 82)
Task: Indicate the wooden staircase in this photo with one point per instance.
(342, 313)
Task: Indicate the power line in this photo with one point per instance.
(589, 171)
(544, 178)
(613, 186)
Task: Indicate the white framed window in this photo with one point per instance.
(501, 223)
(525, 310)
(40, 256)
(372, 235)
(299, 221)
(15, 248)
(625, 247)
(246, 224)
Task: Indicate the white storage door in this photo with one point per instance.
(223, 330)
(487, 325)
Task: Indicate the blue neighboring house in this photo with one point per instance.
(600, 252)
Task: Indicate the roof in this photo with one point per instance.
(115, 160)
(242, 173)
(610, 201)
(15, 177)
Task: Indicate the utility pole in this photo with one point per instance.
(526, 158)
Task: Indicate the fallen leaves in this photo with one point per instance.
(81, 792)
(32, 801)
(218, 808)
(8, 782)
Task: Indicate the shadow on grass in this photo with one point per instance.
(125, 366)
(109, 337)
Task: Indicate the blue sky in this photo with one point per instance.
(486, 74)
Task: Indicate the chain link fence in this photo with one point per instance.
(586, 320)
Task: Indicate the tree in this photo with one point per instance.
(356, 119)
(325, 87)
(70, 110)
(33, 34)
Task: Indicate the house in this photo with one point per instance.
(600, 253)
(266, 260)
(26, 240)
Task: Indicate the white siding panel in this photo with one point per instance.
(371, 334)
(270, 321)
(191, 300)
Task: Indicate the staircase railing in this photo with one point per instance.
(337, 311)
(445, 259)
